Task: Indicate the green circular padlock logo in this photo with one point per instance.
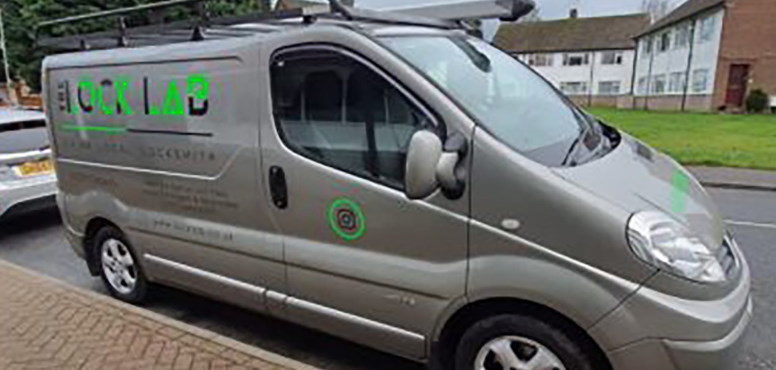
(346, 219)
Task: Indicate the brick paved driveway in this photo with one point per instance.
(45, 324)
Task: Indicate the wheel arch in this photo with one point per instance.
(447, 335)
(94, 225)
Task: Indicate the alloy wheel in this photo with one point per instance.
(516, 353)
(119, 266)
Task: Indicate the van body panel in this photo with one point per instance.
(507, 186)
(411, 261)
(638, 178)
(163, 142)
(529, 272)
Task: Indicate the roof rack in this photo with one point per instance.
(202, 26)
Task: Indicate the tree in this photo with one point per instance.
(656, 8)
(21, 16)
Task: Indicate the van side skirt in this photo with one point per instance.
(296, 308)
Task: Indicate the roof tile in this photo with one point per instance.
(572, 34)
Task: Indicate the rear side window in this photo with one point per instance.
(335, 110)
(25, 136)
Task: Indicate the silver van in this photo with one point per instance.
(391, 180)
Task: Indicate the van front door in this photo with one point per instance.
(364, 262)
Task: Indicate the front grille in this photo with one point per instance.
(727, 258)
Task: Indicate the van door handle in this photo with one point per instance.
(277, 187)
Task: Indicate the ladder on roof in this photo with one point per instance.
(202, 26)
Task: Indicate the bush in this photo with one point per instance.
(757, 101)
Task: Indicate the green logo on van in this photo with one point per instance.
(346, 219)
(116, 96)
(680, 183)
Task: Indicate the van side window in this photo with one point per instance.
(335, 110)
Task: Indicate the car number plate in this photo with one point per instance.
(35, 168)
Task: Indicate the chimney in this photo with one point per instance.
(574, 13)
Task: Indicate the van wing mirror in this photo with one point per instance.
(423, 156)
(451, 172)
(431, 165)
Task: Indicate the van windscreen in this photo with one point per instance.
(24, 136)
(506, 97)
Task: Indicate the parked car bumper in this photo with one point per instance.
(27, 195)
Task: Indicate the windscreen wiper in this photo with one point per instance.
(574, 145)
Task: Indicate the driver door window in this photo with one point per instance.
(335, 110)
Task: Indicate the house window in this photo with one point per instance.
(708, 26)
(579, 59)
(540, 60)
(646, 45)
(611, 57)
(659, 84)
(664, 43)
(677, 82)
(609, 88)
(573, 88)
(700, 80)
(641, 89)
(682, 36)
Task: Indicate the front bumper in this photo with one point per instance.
(653, 330)
(27, 195)
(664, 354)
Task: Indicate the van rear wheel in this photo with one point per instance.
(517, 342)
(119, 269)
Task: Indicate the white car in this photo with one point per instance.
(27, 179)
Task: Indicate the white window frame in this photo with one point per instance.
(658, 84)
(700, 80)
(708, 26)
(641, 87)
(609, 91)
(682, 36)
(676, 82)
(581, 88)
(617, 58)
(664, 42)
(567, 57)
(541, 59)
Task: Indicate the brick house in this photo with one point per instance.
(590, 59)
(707, 55)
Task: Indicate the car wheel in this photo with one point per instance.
(516, 342)
(119, 268)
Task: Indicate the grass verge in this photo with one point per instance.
(745, 141)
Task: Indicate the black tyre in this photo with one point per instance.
(118, 266)
(511, 342)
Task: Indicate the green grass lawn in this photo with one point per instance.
(702, 139)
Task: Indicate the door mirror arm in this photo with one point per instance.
(451, 171)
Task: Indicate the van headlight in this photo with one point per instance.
(668, 245)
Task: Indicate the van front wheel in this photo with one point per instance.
(119, 268)
(511, 342)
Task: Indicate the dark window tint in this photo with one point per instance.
(335, 110)
(23, 136)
